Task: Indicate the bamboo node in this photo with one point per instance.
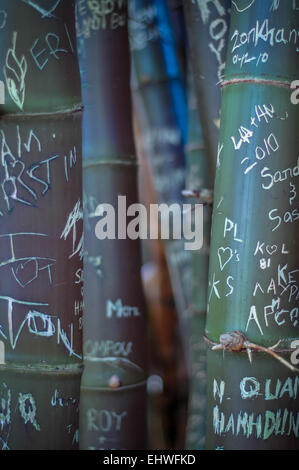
(237, 341)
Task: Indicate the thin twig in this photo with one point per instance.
(236, 341)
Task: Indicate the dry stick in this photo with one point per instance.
(236, 341)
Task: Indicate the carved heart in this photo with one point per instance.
(224, 256)
(271, 249)
(26, 272)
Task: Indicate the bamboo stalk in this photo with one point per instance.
(113, 393)
(197, 181)
(165, 380)
(207, 25)
(254, 252)
(178, 24)
(160, 103)
(40, 227)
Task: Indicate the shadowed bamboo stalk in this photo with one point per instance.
(207, 25)
(178, 24)
(198, 179)
(160, 103)
(167, 389)
(40, 227)
(113, 393)
(253, 401)
(167, 366)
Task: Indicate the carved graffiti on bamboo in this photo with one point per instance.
(19, 180)
(71, 227)
(25, 269)
(15, 72)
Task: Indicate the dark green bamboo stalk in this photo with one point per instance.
(113, 399)
(207, 25)
(196, 181)
(178, 24)
(40, 227)
(254, 250)
(159, 100)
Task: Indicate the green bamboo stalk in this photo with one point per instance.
(207, 25)
(40, 227)
(196, 181)
(160, 105)
(113, 393)
(159, 101)
(254, 250)
(165, 368)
